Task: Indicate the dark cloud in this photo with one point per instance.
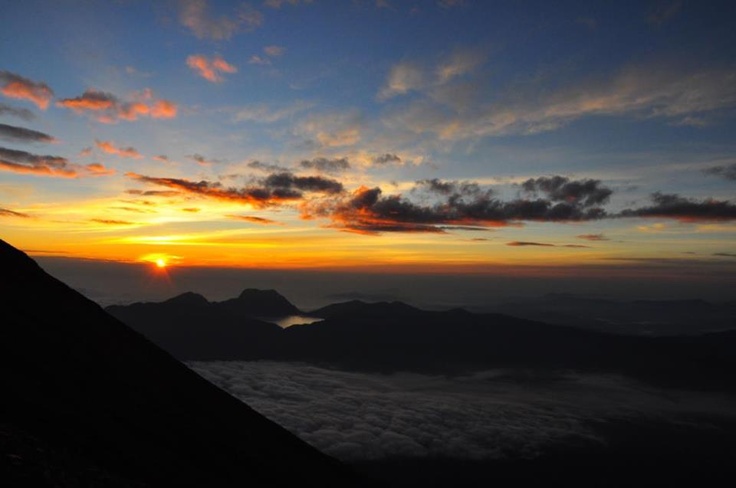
(203, 160)
(326, 165)
(543, 244)
(726, 172)
(257, 196)
(13, 133)
(725, 254)
(266, 166)
(593, 237)
(386, 159)
(673, 206)
(273, 190)
(154, 193)
(526, 243)
(27, 163)
(305, 183)
(16, 86)
(4, 212)
(584, 193)
(21, 113)
(366, 210)
(250, 218)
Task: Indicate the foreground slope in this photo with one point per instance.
(89, 402)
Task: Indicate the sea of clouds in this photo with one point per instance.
(486, 415)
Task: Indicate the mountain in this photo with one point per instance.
(190, 327)
(393, 336)
(259, 303)
(640, 317)
(86, 401)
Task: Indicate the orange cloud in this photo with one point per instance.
(97, 169)
(254, 195)
(4, 212)
(108, 108)
(164, 109)
(255, 220)
(37, 169)
(23, 162)
(210, 70)
(15, 86)
(124, 152)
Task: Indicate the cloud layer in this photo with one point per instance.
(487, 415)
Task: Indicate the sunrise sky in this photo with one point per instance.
(448, 135)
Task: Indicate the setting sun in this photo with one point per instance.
(161, 263)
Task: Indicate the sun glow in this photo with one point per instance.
(161, 263)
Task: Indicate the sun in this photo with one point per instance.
(161, 263)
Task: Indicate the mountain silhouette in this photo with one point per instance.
(259, 303)
(86, 401)
(190, 327)
(393, 336)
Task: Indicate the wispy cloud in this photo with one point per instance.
(279, 3)
(327, 130)
(196, 16)
(269, 114)
(21, 134)
(252, 219)
(107, 108)
(275, 189)
(124, 152)
(21, 113)
(542, 244)
(16, 86)
(274, 50)
(674, 96)
(269, 52)
(334, 165)
(725, 172)
(664, 10)
(23, 162)
(201, 160)
(593, 237)
(4, 212)
(210, 70)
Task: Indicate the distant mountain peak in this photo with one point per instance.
(188, 298)
(254, 302)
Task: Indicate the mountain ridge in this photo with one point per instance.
(89, 401)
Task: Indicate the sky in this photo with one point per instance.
(459, 137)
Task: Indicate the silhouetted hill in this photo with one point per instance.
(357, 307)
(640, 317)
(259, 303)
(395, 336)
(86, 401)
(190, 327)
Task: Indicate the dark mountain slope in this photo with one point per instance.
(86, 401)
